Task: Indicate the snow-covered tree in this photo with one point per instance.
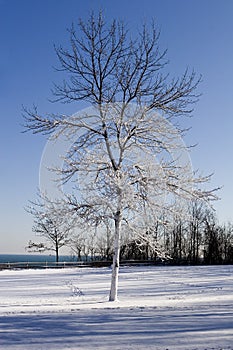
(96, 244)
(54, 229)
(126, 155)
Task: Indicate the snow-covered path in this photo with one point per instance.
(159, 308)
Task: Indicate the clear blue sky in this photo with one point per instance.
(197, 33)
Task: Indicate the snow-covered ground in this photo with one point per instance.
(158, 308)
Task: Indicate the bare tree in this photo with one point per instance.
(115, 156)
(49, 225)
(196, 220)
(227, 232)
(213, 239)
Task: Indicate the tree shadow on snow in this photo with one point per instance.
(116, 329)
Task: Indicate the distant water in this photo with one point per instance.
(13, 258)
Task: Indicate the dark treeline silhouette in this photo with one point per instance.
(199, 239)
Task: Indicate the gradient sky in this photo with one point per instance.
(197, 33)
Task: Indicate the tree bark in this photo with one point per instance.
(116, 258)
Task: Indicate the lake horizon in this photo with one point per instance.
(17, 258)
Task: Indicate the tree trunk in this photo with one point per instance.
(57, 253)
(116, 258)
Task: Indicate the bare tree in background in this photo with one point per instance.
(124, 78)
(54, 229)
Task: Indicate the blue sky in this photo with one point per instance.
(197, 33)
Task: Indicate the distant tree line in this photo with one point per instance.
(199, 239)
(196, 238)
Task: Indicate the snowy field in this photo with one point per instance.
(159, 308)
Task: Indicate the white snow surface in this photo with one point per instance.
(159, 308)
